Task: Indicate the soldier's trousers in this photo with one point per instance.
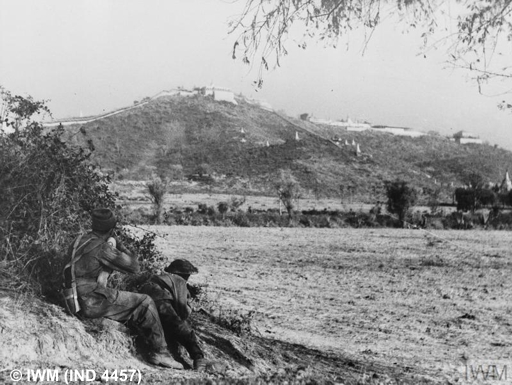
(137, 311)
(175, 327)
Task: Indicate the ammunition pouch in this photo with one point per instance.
(70, 297)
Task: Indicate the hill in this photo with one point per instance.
(244, 145)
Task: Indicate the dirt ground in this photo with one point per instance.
(436, 302)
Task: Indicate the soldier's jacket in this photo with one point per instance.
(174, 289)
(99, 257)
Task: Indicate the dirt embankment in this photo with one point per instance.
(37, 335)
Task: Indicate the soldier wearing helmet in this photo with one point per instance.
(93, 257)
(171, 295)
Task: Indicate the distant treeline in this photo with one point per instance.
(205, 215)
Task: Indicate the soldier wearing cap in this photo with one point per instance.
(94, 256)
(171, 295)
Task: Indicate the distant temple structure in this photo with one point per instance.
(219, 94)
(506, 185)
(464, 137)
(3, 113)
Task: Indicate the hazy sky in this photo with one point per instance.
(96, 55)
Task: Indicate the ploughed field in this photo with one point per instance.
(436, 302)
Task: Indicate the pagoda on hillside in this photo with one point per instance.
(506, 185)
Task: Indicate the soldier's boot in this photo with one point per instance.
(202, 364)
(164, 359)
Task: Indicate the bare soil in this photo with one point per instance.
(431, 303)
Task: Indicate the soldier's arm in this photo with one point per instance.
(122, 248)
(182, 296)
(118, 260)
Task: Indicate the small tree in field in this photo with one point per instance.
(157, 189)
(203, 169)
(288, 191)
(474, 195)
(235, 203)
(223, 208)
(434, 199)
(401, 197)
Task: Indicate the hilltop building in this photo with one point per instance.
(347, 124)
(219, 94)
(355, 126)
(398, 131)
(463, 137)
(175, 92)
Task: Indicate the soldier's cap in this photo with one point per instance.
(103, 219)
(181, 266)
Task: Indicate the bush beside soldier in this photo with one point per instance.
(94, 260)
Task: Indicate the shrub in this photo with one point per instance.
(211, 211)
(151, 260)
(48, 188)
(235, 203)
(240, 219)
(400, 198)
(288, 190)
(202, 208)
(223, 208)
(157, 189)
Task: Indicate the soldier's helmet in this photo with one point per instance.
(103, 219)
(181, 266)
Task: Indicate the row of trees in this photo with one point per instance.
(400, 196)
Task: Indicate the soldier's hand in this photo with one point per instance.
(121, 247)
(194, 290)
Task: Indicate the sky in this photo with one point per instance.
(90, 57)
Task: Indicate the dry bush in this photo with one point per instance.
(157, 189)
(48, 188)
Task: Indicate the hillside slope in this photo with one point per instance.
(246, 143)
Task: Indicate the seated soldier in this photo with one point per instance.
(171, 296)
(92, 261)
